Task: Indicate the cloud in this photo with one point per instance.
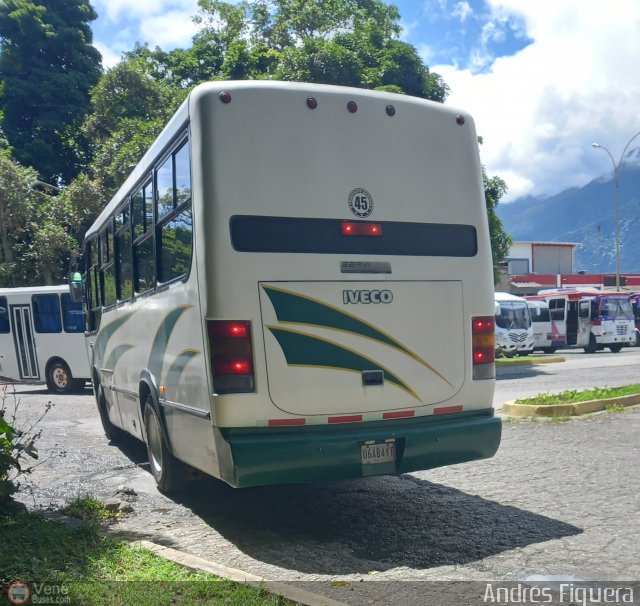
(170, 30)
(120, 10)
(540, 109)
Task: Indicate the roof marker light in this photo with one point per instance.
(225, 96)
(391, 110)
(312, 102)
(352, 106)
(460, 119)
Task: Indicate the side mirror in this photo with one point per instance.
(75, 288)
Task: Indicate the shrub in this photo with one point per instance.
(16, 445)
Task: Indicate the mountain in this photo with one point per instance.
(586, 216)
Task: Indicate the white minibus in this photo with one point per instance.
(294, 285)
(514, 335)
(42, 338)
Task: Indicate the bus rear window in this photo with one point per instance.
(324, 236)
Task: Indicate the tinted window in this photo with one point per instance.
(4, 316)
(123, 263)
(183, 175)
(46, 313)
(72, 315)
(144, 266)
(164, 182)
(324, 236)
(175, 245)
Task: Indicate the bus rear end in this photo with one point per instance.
(346, 282)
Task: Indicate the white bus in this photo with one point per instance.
(546, 334)
(592, 319)
(295, 285)
(42, 338)
(514, 334)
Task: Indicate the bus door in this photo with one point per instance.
(22, 328)
(584, 323)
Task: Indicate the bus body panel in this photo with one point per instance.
(31, 337)
(347, 347)
(266, 158)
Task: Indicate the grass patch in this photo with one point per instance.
(572, 396)
(614, 408)
(88, 509)
(88, 568)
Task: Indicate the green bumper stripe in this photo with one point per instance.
(305, 350)
(318, 453)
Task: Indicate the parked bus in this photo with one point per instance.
(635, 306)
(548, 333)
(42, 338)
(295, 285)
(541, 326)
(514, 334)
(592, 319)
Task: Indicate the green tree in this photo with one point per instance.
(494, 189)
(17, 206)
(345, 42)
(47, 68)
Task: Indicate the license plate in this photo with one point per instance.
(384, 452)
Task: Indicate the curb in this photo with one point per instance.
(512, 409)
(195, 563)
(522, 361)
(290, 592)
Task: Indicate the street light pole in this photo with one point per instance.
(617, 169)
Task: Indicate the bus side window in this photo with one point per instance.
(175, 224)
(4, 316)
(46, 313)
(124, 270)
(72, 318)
(144, 267)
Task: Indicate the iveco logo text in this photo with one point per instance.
(352, 297)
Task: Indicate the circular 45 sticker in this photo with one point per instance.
(360, 202)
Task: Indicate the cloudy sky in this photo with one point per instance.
(543, 79)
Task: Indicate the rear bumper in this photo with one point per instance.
(323, 453)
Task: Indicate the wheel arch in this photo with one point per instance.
(147, 387)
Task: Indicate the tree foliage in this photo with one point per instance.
(47, 68)
(494, 189)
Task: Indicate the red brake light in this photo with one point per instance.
(360, 228)
(231, 356)
(483, 347)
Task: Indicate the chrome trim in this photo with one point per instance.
(196, 412)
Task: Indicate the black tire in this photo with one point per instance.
(637, 343)
(59, 378)
(593, 345)
(167, 471)
(114, 434)
(549, 350)
(615, 348)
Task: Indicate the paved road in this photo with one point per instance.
(559, 499)
(578, 371)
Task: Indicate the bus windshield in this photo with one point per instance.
(616, 308)
(513, 314)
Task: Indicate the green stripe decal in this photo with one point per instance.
(175, 370)
(161, 340)
(306, 350)
(298, 309)
(294, 308)
(115, 355)
(105, 335)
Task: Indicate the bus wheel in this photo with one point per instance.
(593, 345)
(113, 434)
(165, 468)
(59, 378)
(615, 348)
(637, 338)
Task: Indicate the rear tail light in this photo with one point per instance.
(231, 356)
(483, 347)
